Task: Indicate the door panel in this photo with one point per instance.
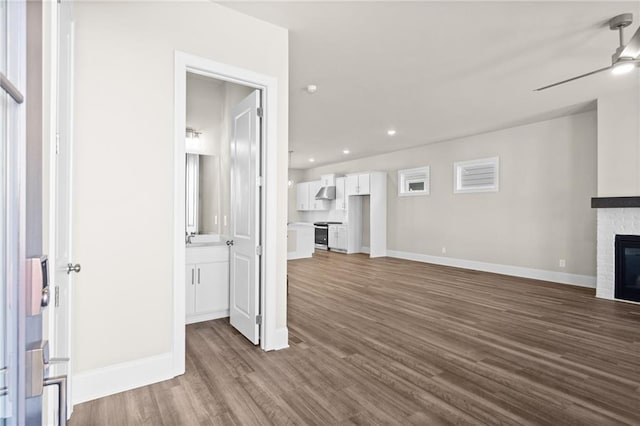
(13, 320)
(245, 216)
(212, 290)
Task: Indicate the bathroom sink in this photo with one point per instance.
(201, 240)
(206, 244)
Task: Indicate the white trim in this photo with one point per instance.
(402, 180)
(269, 86)
(101, 382)
(364, 249)
(280, 339)
(517, 271)
(192, 319)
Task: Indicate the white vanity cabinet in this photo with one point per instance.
(207, 283)
(358, 184)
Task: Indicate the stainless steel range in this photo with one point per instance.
(322, 234)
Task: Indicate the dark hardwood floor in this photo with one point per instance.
(388, 341)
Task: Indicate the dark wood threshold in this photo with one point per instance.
(614, 202)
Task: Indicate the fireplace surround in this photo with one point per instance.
(616, 216)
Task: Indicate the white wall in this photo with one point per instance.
(619, 143)
(541, 214)
(124, 107)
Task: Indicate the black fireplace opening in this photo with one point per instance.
(627, 264)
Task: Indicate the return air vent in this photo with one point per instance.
(476, 175)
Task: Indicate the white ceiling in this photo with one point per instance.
(435, 71)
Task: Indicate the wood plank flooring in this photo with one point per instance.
(388, 341)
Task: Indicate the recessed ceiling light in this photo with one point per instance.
(391, 132)
(346, 151)
(312, 88)
(311, 160)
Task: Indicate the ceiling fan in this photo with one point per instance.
(625, 58)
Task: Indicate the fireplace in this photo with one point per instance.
(627, 267)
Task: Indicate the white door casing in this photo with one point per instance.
(245, 217)
(61, 199)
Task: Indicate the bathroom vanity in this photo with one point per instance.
(207, 281)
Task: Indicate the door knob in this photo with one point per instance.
(73, 268)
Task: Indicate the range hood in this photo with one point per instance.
(326, 193)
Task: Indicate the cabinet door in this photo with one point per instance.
(342, 237)
(190, 283)
(302, 196)
(333, 236)
(352, 185)
(314, 204)
(341, 198)
(363, 184)
(212, 287)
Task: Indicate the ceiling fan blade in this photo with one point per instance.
(632, 49)
(571, 79)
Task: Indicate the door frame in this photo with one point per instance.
(185, 62)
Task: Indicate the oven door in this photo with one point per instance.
(322, 236)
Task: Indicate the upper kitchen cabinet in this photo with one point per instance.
(328, 180)
(342, 202)
(314, 188)
(302, 196)
(358, 184)
(306, 196)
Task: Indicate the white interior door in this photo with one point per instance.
(245, 217)
(62, 202)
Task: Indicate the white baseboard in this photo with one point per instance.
(517, 271)
(280, 340)
(364, 249)
(101, 382)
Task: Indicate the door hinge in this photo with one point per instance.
(260, 112)
(57, 297)
(259, 250)
(259, 319)
(57, 143)
(259, 181)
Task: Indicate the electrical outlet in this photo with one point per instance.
(562, 263)
(215, 219)
(444, 250)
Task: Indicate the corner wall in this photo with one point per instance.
(540, 215)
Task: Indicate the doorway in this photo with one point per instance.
(251, 223)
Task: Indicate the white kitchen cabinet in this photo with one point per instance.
(342, 202)
(338, 237)
(358, 184)
(328, 180)
(306, 196)
(302, 196)
(207, 283)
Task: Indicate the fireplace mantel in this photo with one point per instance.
(615, 202)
